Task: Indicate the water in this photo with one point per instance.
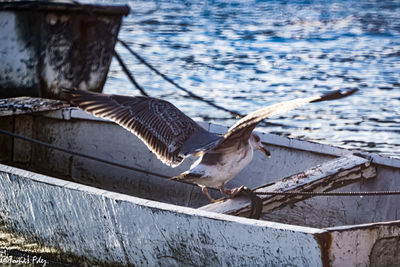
(248, 54)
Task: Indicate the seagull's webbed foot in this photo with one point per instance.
(231, 193)
(256, 202)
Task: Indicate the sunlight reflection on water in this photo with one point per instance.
(248, 54)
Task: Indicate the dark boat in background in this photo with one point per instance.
(48, 45)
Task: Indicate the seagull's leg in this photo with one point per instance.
(205, 191)
(236, 191)
(225, 191)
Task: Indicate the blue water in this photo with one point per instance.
(248, 54)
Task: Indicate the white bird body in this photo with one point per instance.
(217, 174)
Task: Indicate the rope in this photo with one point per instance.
(80, 154)
(143, 61)
(129, 74)
(28, 139)
(119, 59)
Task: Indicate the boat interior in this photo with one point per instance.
(128, 167)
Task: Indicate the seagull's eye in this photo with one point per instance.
(256, 138)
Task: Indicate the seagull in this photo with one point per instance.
(172, 136)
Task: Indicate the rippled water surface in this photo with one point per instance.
(248, 54)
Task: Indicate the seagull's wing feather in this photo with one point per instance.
(245, 126)
(158, 123)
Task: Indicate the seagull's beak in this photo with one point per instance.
(265, 151)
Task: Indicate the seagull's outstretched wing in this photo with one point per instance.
(158, 123)
(245, 126)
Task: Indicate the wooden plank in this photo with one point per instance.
(25, 105)
(326, 177)
(323, 212)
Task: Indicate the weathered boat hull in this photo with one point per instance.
(127, 217)
(108, 228)
(45, 46)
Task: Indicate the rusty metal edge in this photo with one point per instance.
(65, 7)
(324, 241)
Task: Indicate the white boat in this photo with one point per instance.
(68, 208)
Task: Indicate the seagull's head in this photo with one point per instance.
(256, 144)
